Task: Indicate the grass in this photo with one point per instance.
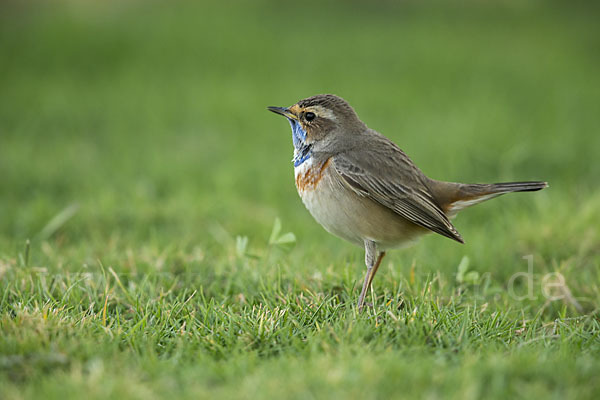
(146, 196)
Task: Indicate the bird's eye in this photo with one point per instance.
(309, 116)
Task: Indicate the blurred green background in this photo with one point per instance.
(151, 116)
(135, 147)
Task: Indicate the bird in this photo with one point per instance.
(361, 187)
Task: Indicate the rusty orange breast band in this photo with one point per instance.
(309, 179)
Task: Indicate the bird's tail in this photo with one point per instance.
(457, 196)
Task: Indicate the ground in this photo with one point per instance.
(152, 243)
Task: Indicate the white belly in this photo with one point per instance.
(346, 214)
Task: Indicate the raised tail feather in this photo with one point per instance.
(456, 196)
(508, 187)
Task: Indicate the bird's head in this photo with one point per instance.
(320, 124)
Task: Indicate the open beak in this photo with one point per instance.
(283, 111)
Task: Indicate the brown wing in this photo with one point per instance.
(381, 171)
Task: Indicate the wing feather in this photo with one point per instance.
(385, 174)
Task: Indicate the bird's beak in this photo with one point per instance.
(283, 111)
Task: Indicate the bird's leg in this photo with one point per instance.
(372, 266)
(370, 251)
(376, 266)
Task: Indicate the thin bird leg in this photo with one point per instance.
(376, 267)
(369, 279)
(372, 266)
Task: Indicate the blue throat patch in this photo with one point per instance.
(303, 149)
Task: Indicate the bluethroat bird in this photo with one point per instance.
(361, 187)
